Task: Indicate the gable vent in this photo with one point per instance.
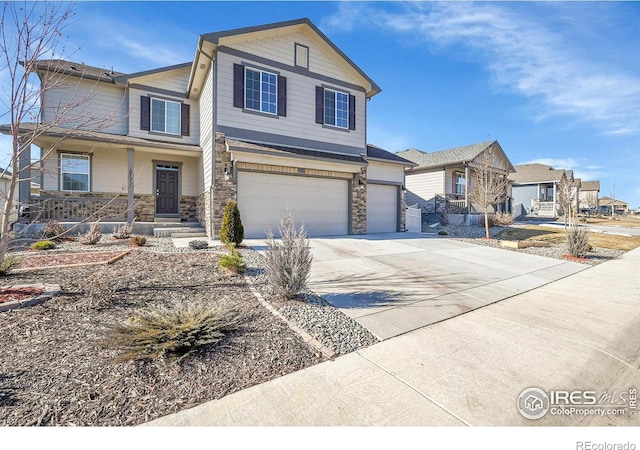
(302, 56)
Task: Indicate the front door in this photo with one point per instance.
(166, 190)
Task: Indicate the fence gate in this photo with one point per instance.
(414, 219)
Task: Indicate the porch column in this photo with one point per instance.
(554, 199)
(130, 183)
(466, 188)
(24, 175)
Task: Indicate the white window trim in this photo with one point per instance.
(260, 71)
(62, 172)
(165, 116)
(456, 184)
(335, 109)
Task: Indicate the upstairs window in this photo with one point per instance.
(335, 108)
(165, 116)
(259, 90)
(74, 172)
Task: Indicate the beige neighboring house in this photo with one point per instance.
(272, 116)
(619, 207)
(535, 189)
(440, 181)
(589, 194)
(5, 182)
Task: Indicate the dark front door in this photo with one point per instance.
(166, 191)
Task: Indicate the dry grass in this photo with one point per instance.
(557, 236)
(628, 221)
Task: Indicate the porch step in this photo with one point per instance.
(167, 220)
(193, 231)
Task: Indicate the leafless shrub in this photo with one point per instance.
(92, 236)
(577, 241)
(123, 231)
(288, 262)
(171, 331)
(499, 219)
(53, 229)
(101, 290)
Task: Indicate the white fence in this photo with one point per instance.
(414, 219)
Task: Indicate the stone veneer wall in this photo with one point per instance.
(359, 202)
(203, 206)
(403, 211)
(223, 190)
(144, 206)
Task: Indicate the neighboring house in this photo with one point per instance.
(441, 180)
(272, 116)
(619, 207)
(5, 182)
(589, 193)
(535, 187)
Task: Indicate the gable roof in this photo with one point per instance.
(253, 32)
(375, 152)
(590, 186)
(535, 173)
(608, 201)
(452, 156)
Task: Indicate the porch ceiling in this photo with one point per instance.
(83, 139)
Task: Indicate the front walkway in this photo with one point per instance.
(580, 332)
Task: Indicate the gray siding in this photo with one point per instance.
(86, 104)
(524, 194)
(298, 125)
(423, 187)
(206, 130)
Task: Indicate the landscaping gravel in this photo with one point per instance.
(311, 312)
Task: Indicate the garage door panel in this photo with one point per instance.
(382, 208)
(320, 204)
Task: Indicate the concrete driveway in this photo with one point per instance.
(394, 283)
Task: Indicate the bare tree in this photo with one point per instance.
(567, 197)
(32, 41)
(488, 183)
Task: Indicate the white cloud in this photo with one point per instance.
(521, 52)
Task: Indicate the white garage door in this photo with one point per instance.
(382, 208)
(320, 204)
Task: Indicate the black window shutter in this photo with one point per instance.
(238, 86)
(145, 113)
(282, 96)
(319, 104)
(184, 119)
(352, 112)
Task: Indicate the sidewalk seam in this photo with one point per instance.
(415, 389)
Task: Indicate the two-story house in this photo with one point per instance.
(272, 116)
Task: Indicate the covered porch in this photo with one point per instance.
(97, 176)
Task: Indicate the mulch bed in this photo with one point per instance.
(55, 369)
(47, 260)
(15, 294)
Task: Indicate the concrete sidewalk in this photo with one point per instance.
(580, 332)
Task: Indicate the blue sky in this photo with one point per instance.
(557, 83)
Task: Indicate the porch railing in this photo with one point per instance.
(77, 209)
